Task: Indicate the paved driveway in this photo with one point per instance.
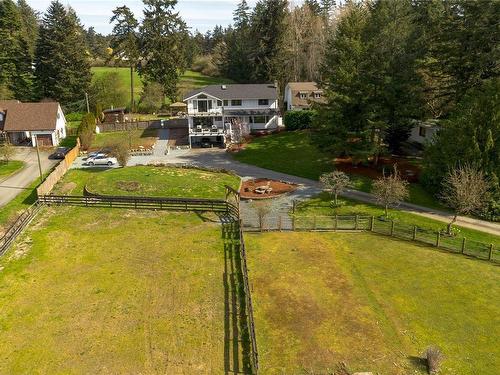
(11, 186)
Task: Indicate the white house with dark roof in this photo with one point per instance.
(217, 113)
(29, 123)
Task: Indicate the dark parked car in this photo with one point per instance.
(59, 153)
(205, 143)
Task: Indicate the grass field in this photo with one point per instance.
(10, 167)
(320, 205)
(371, 302)
(117, 291)
(134, 138)
(148, 180)
(189, 80)
(293, 153)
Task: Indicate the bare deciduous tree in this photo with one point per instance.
(465, 190)
(262, 209)
(121, 152)
(434, 358)
(390, 190)
(7, 151)
(335, 183)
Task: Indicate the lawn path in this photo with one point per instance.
(220, 159)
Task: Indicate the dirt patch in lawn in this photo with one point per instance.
(408, 169)
(128, 185)
(263, 188)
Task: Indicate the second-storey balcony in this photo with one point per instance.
(207, 130)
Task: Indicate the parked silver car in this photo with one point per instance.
(102, 160)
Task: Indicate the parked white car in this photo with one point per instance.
(102, 160)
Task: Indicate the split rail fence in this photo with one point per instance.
(454, 244)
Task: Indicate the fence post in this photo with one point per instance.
(414, 232)
(294, 202)
(392, 228)
(464, 240)
(356, 222)
(438, 238)
(372, 223)
(293, 223)
(491, 252)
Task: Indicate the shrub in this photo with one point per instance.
(297, 120)
(434, 358)
(120, 151)
(86, 130)
(151, 98)
(204, 64)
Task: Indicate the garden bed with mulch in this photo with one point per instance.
(409, 169)
(263, 188)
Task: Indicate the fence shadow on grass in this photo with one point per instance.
(237, 345)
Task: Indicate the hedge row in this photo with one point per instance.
(297, 120)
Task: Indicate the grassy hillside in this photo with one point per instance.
(190, 80)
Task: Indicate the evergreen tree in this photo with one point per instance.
(471, 136)
(29, 21)
(314, 6)
(163, 33)
(62, 65)
(16, 74)
(267, 32)
(237, 64)
(344, 125)
(392, 81)
(125, 42)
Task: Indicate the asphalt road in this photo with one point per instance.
(11, 186)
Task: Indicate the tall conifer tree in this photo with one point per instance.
(61, 61)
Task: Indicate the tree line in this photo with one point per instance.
(49, 56)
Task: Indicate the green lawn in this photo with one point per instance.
(371, 302)
(10, 167)
(320, 205)
(134, 138)
(148, 181)
(293, 153)
(116, 291)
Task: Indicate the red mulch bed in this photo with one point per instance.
(408, 170)
(279, 188)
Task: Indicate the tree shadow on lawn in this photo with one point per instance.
(237, 347)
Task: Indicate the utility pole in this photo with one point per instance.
(39, 162)
(87, 101)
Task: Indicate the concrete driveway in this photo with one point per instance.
(11, 186)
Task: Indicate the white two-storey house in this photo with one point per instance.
(218, 114)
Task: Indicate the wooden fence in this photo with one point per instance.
(18, 226)
(59, 171)
(454, 244)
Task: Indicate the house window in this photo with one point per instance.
(226, 103)
(260, 119)
(218, 119)
(317, 95)
(263, 101)
(195, 104)
(236, 102)
(219, 103)
(303, 95)
(422, 131)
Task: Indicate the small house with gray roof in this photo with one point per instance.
(31, 123)
(222, 114)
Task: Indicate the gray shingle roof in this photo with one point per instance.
(238, 91)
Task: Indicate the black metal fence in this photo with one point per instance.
(451, 243)
(17, 227)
